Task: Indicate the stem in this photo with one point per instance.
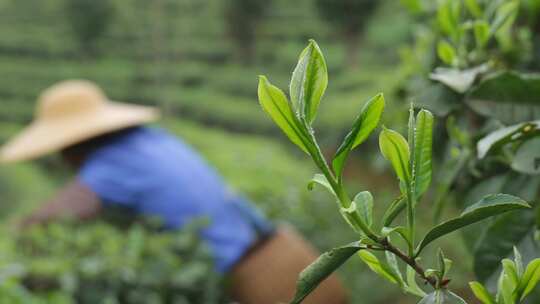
(409, 261)
(410, 217)
(345, 201)
(343, 198)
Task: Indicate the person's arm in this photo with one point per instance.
(75, 200)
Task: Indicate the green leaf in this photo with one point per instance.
(488, 206)
(527, 158)
(504, 17)
(530, 279)
(518, 261)
(393, 265)
(413, 285)
(441, 262)
(448, 13)
(446, 52)
(379, 267)
(500, 137)
(422, 151)
(458, 80)
(442, 296)
(362, 212)
(364, 124)
(498, 240)
(474, 8)
(319, 270)
(394, 210)
(309, 82)
(505, 289)
(402, 231)
(396, 149)
(510, 97)
(510, 270)
(414, 6)
(364, 203)
(481, 33)
(275, 104)
(321, 180)
(481, 293)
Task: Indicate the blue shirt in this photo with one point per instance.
(154, 173)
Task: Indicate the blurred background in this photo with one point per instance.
(198, 61)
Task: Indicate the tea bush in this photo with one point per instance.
(411, 159)
(99, 263)
(484, 81)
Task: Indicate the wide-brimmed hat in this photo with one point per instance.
(70, 112)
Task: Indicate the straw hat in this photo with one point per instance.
(68, 113)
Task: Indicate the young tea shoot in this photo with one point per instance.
(411, 161)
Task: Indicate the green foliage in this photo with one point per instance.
(319, 270)
(89, 20)
(422, 153)
(488, 95)
(442, 297)
(308, 83)
(134, 265)
(515, 282)
(364, 124)
(276, 104)
(349, 16)
(394, 148)
(487, 207)
(242, 18)
(508, 96)
(413, 170)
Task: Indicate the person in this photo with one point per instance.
(123, 164)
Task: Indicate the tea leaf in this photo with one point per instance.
(510, 269)
(275, 104)
(364, 203)
(349, 214)
(309, 81)
(393, 265)
(422, 151)
(402, 231)
(504, 16)
(458, 80)
(442, 296)
(518, 261)
(411, 281)
(505, 289)
(481, 293)
(510, 97)
(396, 149)
(364, 124)
(394, 210)
(446, 52)
(321, 180)
(474, 8)
(527, 158)
(488, 206)
(530, 279)
(319, 270)
(481, 33)
(379, 267)
(448, 16)
(506, 135)
(498, 240)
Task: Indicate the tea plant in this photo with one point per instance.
(487, 86)
(514, 284)
(99, 263)
(410, 158)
